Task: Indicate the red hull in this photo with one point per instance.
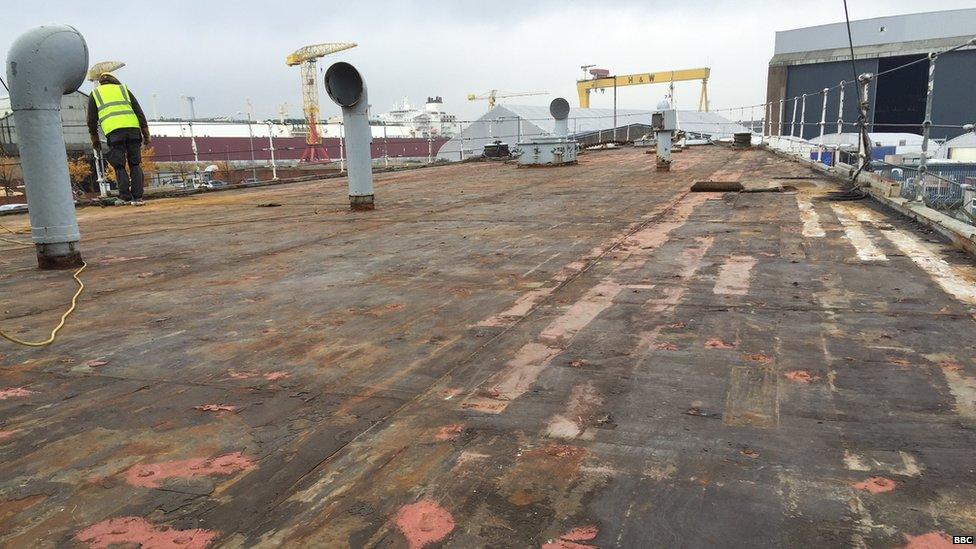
(213, 149)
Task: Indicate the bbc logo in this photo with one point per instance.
(963, 540)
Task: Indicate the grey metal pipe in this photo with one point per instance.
(347, 88)
(923, 161)
(779, 121)
(840, 109)
(559, 109)
(803, 116)
(793, 122)
(43, 64)
(823, 122)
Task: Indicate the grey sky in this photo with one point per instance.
(224, 52)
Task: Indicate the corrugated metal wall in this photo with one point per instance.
(955, 92)
(811, 79)
(952, 100)
(74, 116)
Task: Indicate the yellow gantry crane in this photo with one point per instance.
(493, 95)
(307, 57)
(603, 80)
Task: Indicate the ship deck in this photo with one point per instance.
(585, 356)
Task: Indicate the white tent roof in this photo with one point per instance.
(510, 123)
(964, 141)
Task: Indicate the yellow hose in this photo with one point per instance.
(24, 230)
(54, 332)
(17, 242)
(12, 241)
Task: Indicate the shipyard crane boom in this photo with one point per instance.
(602, 80)
(97, 69)
(307, 57)
(493, 95)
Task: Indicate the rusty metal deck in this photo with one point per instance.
(579, 357)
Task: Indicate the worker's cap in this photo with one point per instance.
(107, 78)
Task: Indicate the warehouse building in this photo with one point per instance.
(74, 118)
(810, 59)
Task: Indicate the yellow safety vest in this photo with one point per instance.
(114, 108)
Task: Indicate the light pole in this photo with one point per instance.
(386, 148)
(193, 115)
(250, 136)
(274, 165)
(189, 100)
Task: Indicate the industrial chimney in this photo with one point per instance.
(42, 65)
(550, 150)
(346, 87)
(559, 109)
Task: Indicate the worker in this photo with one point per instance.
(113, 107)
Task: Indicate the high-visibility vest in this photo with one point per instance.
(114, 108)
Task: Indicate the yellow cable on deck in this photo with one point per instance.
(12, 241)
(54, 332)
(17, 242)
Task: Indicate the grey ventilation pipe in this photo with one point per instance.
(42, 65)
(346, 87)
(559, 109)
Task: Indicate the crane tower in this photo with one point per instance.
(307, 57)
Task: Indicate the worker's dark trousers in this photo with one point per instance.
(122, 149)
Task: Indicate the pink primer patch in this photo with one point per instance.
(570, 539)
(423, 523)
(485, 405)
(950, 366)
(15, 392)
(4, 435)
(666, 346)
(799, 376)
(581, 534)
(96, 363)
(270, 376)
(758, 357)
(449, 432)
(932, 540)
(875, 485)
(152, 474)
(715, 343)
(215, 408)
(141, 532)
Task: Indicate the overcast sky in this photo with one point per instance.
(223, 52)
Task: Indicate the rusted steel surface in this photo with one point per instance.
(585, 357)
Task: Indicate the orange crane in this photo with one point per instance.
(493, 95)
(307, 57)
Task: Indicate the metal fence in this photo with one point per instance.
(948, 186)
(11, 182)
(943, 186)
